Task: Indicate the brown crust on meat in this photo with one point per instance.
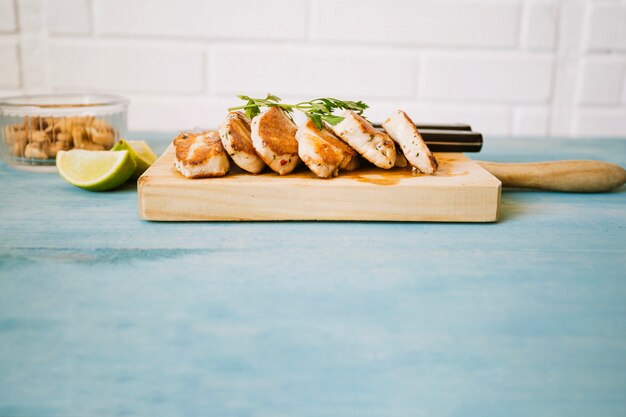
(328, 154)
(328, 136)
(278, 131)
(212, 146)
(238, 130)
(433, 162)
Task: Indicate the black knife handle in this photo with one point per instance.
(456, 126)
(452, 141)
(449, 138)
(436, 126)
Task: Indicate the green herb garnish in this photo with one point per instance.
(319, 110)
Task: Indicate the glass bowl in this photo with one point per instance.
(35, 128)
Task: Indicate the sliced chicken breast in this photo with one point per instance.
(375, 146)
(402, 129)
(235, 135)
(200, 154)
(274, 140)
(323, 152)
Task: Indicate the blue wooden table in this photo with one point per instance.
(103, 314)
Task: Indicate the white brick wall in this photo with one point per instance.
(508, 67)
(69, 17)
(486, 76)
(121, 67)
(531, 121)
(540, 21)
(225, 19)
(601, 79)
(9, 71)
(309, 71)
(607, 26)
(7, 16)
(426, 23)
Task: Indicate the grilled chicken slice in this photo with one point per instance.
(200, 154)
(375, 146)
(323, 152)
(235, 135)
(402, 129)
(274, 140)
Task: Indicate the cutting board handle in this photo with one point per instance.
(567, 176)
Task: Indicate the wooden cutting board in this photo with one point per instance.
(461, 191)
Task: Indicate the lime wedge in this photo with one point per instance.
(139, 151)
(95, 170)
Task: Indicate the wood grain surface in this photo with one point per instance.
(461, 191)
(577, 176)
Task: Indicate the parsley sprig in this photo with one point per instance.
(319, 110)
